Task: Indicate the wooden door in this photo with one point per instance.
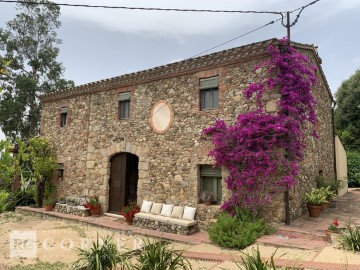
(117, 183)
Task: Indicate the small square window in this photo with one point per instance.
(209, 93)
(211, 179)
(61, 171)
(63, 117)
(124, 105)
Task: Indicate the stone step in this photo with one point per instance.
(278, 240)
(293, 232)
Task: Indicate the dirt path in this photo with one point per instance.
(56, 240)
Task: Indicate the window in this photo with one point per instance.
(211, 180)
(124, 105)
(63, 116)
(61, 171)
(209, 93)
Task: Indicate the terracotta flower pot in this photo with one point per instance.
(314, 210)
(325, 206)
(49, 207)
(129, 221)
(332, 204)
(95, 210)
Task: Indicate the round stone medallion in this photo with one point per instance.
(161, 116)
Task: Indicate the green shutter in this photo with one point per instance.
(210, 171)
(207, 83)
(124, 96)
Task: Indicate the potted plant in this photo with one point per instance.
(129, 212)
(329, 195)
(207, 197)
(62, 200)
(71, 201)
(94, 205)
(49, 204)
(333, 183)
(49, 196)
(314, 200)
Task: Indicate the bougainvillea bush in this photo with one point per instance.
(262, 151)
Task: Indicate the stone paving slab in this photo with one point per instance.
(299, 243)
(116, 224)
(306, 233)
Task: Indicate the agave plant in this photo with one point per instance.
(101, 256)
(350, 238)
(253, 261)
(158, 256)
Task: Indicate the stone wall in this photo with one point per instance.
(169, 162)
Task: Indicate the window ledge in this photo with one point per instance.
(202, 205)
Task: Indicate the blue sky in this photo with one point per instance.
(102, 43)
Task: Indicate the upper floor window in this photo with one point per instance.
(211, 181)
(60, 171)
(209, 93)
(124, 105)
(63, 116)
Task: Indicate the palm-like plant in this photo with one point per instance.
(158, 256)
(103, 256)
(350, 239)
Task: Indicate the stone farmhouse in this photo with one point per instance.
(139, 136)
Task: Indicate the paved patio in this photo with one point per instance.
(305, 240)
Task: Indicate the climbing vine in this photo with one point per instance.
(262, 151)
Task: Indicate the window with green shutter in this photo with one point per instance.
(124, 105)
(63, 116)
(211, 180)
(60, 171)
(209, 93)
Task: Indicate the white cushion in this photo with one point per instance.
(156, 208)
(146, 207)
(166, 210)
(189, 213)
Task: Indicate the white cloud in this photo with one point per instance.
(175, 23)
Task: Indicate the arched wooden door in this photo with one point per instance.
(123, 181)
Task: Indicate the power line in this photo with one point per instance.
(141, 8)
(256, 29)
(247, 33)
(298, 15)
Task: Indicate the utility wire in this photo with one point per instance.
(298, 15)
(256, 29)
(140, 8)
(247, 33)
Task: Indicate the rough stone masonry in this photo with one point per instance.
(168, 169)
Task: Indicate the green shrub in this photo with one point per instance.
(101, 256)
(237, 231)
(3, 200)
(332, 182)
(350, 238)
(19, 198)
(158, 256)
(353, 166)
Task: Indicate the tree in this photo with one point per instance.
(43, 163)
(347, 112)
(29, 43)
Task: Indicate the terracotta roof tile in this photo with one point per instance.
(177, 68)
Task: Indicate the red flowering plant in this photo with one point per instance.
(92, 203)
(129, 211)
(262, 150)
(334, 227)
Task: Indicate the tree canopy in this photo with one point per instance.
(347, 112)
(28, 47)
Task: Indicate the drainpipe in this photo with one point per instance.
(333, 125)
